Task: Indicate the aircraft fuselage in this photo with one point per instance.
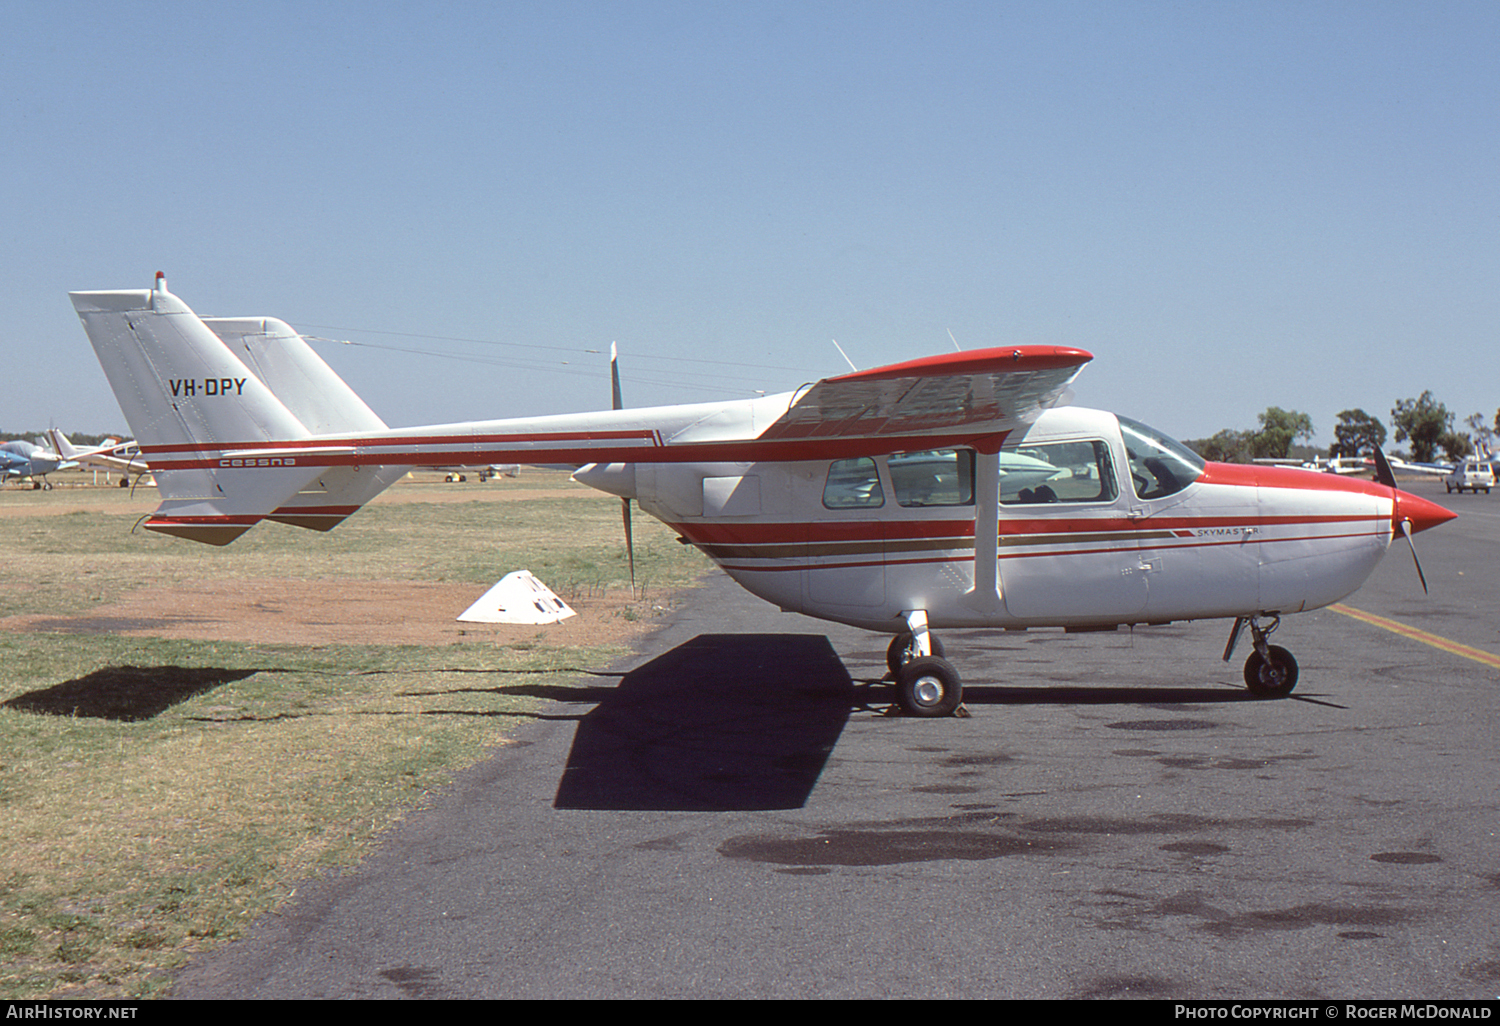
(1096, 526)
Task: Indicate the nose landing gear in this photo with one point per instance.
(1270, 672)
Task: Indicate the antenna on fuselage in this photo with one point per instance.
(844, 355)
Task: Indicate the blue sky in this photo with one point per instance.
(1233, 205)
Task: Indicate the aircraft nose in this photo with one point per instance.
(1419, 512)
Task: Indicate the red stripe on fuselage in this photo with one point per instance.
(562, 448)
(373, 441)
(781, 533)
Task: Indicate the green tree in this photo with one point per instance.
(1455, 445)
(1357, 434)
(1424, 421)
(1228, 446)
(1278, 430)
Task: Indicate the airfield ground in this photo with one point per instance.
(728, 811)
(186, 731)
(347, 607)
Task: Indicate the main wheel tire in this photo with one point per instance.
(1271, 678)
(929, 686)
(903, 650)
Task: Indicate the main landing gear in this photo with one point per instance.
(1270, 672)
(926, 683)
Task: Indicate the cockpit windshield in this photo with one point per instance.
(1159, 466)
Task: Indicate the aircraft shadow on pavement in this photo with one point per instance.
(125, 693)
(723, 722)
(1105, 695)
(729, 722)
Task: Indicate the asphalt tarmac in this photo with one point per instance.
(734, 817)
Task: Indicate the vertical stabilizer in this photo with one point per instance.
(298, 376)
(189, 400)
(319, 398)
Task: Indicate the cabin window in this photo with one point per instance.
(853, 484)
(1159, 466)
(1057, 472)
(941, 477)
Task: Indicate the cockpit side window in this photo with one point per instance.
(1048, 472)
(853, 484)
(1159, 466)
(942, 477)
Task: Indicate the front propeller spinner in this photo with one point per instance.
(1409, 513)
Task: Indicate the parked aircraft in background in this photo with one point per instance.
(114, 455)
(1323, 464)
(14, 465)
(1401, 466)
(889, 499)
(22, 459)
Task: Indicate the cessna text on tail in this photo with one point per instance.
(946, 492)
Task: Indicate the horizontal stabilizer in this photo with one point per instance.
(336, 494)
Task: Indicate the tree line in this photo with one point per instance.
(1423, 422)
(83, 440)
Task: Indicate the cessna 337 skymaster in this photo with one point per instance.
(946, 492)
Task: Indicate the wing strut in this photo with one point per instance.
(985, 596)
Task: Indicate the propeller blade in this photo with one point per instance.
(1383, 472)
(630, 543)
(619, 404)
(614, 377)
(1384, 475)
(1406, 532)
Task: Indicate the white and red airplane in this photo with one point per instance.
(114, 454)
(944, 493)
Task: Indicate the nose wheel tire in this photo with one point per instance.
(928, 686)
(1272, 676)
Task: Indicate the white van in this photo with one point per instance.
(1472, 475)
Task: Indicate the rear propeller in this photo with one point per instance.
(1384, 475)
(619, 404)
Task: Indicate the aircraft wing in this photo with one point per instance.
(947, 397)
(1433, 469)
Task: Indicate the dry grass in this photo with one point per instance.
(157, 794)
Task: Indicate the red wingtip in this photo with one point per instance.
(978, 361)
